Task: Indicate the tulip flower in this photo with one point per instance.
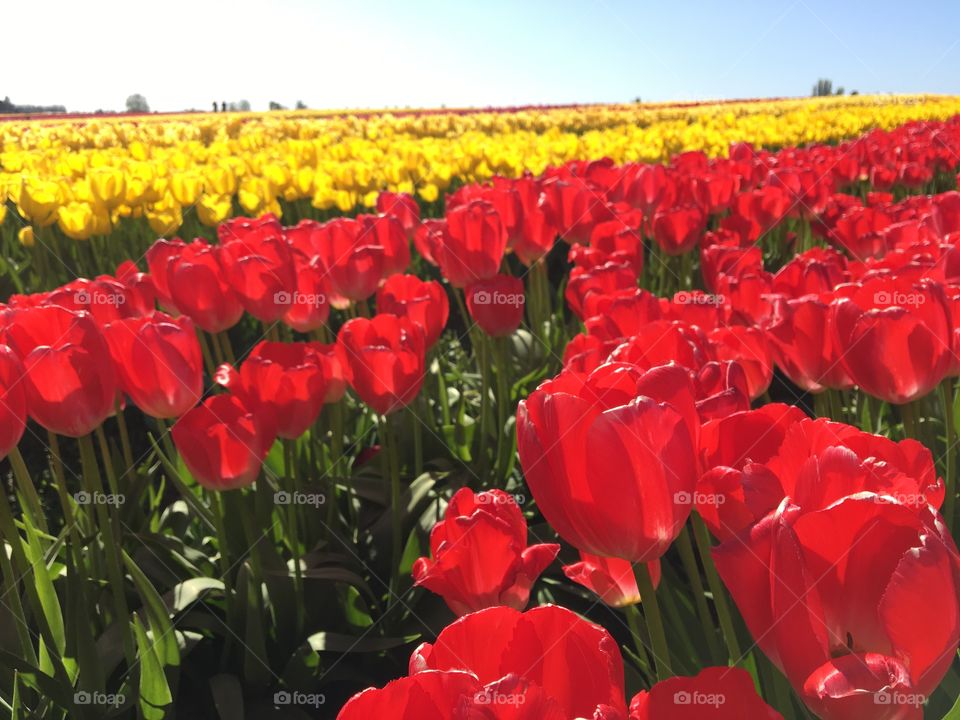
(422, 301)
(854, 600)
(894, 339)
(549, 653)
(716, 693)
(613, 580)
(308, 305)
(496, 304)
(284, 382)
(222, 442)
(402, 207)
(353, 258)
(604, 279)
(611, 456)
(480, 556)
(69, 379)
(13, 401)
(389, 233)
(385, 360)
(261, 273)
(435, 695)
(189, 279)
(678, 230)
(473, 245)
(333, 361)
(158, 362)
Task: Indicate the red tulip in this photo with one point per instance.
(804, 346)
(284, 381)
(197, 286)
(474, 244)
(678, 230)
(750, 349)
(158, 256)
(573, 208)
(388, 233)
(13, 401)
(69, 378)
(422, 301)
(480, 554)
(604, 279)
(142, 297)
(855, 601)
(496, 304)
(261, 273)
(401, 206)
(613, 580)
(385, 360)
(548, 653)
(105, 298)
(621, 314)
(158, 361)
(432, 694)
(308, 305)
(429, 235)
(614, 236)
(610, 457)
(894, 338)
(538, 233)
(222, 442)
(354, 259)
(251, 230)
(716, 693)
(333, 360)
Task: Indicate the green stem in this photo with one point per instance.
(702, 538)
(950, 432)
(32, 507)
(689, 560)
(638, 631)
(289, 461)
(392, 475)
(651, 610)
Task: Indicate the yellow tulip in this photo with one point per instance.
(214, 209)
(77, 220)
(26, 236)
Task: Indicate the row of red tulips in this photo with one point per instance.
(649, 418)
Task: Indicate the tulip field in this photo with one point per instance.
(623, 412)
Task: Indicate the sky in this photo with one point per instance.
(182, 54)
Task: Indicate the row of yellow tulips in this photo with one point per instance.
(86, 174)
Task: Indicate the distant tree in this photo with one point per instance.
(823, 88)
(854, 92)
(840, 90)
(637, 100)
(243, 106)
(137, 103)
(276, 106)
(301, 105)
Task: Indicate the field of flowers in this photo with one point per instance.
(615, 412)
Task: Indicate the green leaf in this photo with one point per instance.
(335, 642)
(154, 695)
(165, 641)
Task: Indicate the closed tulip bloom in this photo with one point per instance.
(261, 273)
(429, 235)
(333, 360)
(611, 457)
(496, 304)
(197, 287)
(605, 279)
(613, 580)
(804, 345)
(894, 338)
(433, 694)
(678, 230)
(473, 245)
(222, 442)
(158, 257)
(69, 379)
(387, 232)
(851, 600)
(548, 653)
(385, 360)
(748, 347)
(401, 206)
(308, 305)
(716, 693)
(422, 301)
(159, 363)
(354, 259)
(283, 380)
(13, 401)
(480, 556)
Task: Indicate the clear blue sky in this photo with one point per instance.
(350, 53)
